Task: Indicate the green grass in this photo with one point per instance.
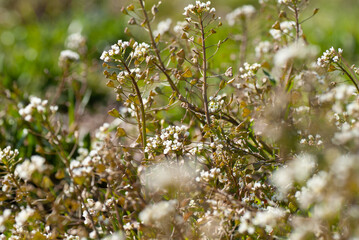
(32, 34)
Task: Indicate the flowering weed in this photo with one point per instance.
(262, 146)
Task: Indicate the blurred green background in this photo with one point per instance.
(33, 32)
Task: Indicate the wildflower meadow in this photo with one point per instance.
(211, 123)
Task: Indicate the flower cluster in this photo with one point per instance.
(117, 52)
(115, 236)
(7, 154)
(140, 50)
(197, 149)
(246, 225)
(329, 56)
(216, 103)
(67, 56)
(36, 105)
(168, 175)
(180, 26)
(263, 48)
(199, 8)
(297, 50)
(23, 216)
(244, 12)
(87, 162)
(94, 207)
(344, 113)
(210, 175)
(249, 71)
(159, 214)
(338, 94)
(76, 47)
(75, 41)
(173, 139)
(297, 170)
(327, 192)
(284, 1)
(134, 72)
(314, 186)
(6, 214)
(269, 218)
(312, 140)
(163, 27)
(286, 28)
(25, 169)
(116, 49)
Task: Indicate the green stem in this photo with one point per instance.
(204, 69)
(142, 107)
(349, 76)
(297, 25)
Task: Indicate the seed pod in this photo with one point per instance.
(154, 10)
(132, 21)
(229, 72)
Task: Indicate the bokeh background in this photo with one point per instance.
(33, 32)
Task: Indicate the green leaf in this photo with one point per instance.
(121, 132)
(271, 79)
(222, 84)
(292, 207)
(187, 73)
(114, 113)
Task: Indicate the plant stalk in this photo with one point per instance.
(204, 69)
(143, 113)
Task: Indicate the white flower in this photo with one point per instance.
(249, 71)
(75, 41)
(296, 50)
(269, 217)
(140, 50)
(115, 236)
(116, 49)
(199, 7)
(68, 56)
(3, 218)
(54, 109)
(216, 103)
(262, 48)
(298, 170)
(329, 56)
(284, 1)
(159, 214)
(25, 169)
(246, 11)
(168, 175)
(313, 189)
(35, 105)
(23, 216)
(163, 27)
(8, 154)
(286, 28)
(180, 26)
(172, 139)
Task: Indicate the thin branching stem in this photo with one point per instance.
(142, 108)
(160, 65)
(349, 76)
(204, 73)
(297, 24)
